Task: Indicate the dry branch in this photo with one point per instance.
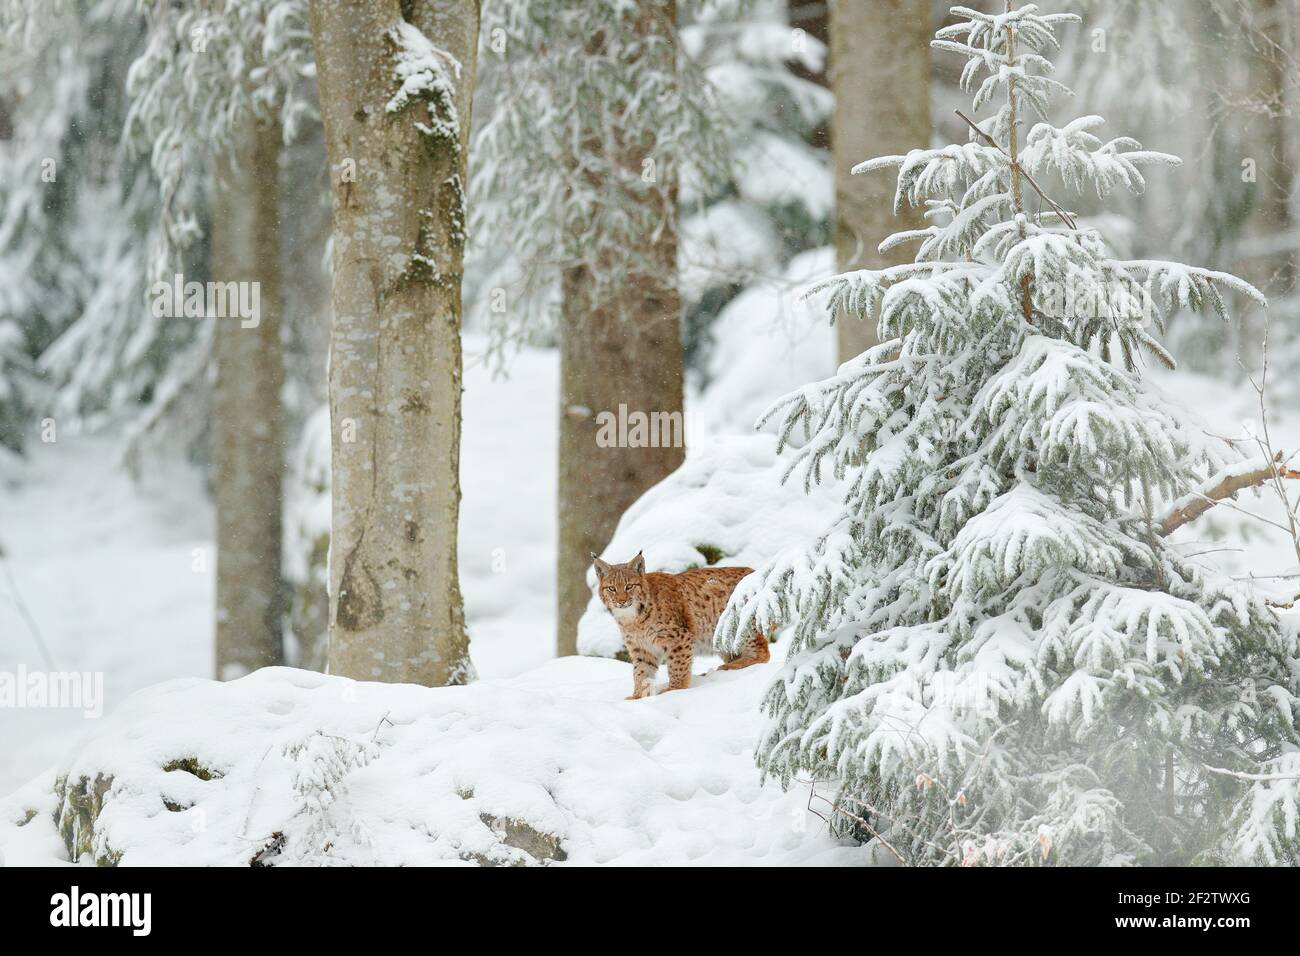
(1016, 167)
(1221, 486)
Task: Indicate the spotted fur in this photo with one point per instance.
(669, 618)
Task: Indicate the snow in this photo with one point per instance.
(425, 72)
(778, 171)
(729, 241)
(767, 342)
(118, 578)
(435, 773)
(508, 520)
(667, 780)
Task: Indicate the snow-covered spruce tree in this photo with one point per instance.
(996, 658)
(75, 334)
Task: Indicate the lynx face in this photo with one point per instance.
(622, 587)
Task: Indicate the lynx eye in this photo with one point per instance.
(610, 589)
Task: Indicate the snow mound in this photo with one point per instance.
(725, 505)
(294, 767)
(765, 343)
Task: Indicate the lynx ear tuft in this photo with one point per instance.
(638, 563)
(602, 568)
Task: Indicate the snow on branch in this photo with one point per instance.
(427, 73)
(1186, 284)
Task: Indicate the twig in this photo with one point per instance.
(1015, 164)
(1263, 777)
(1267, 445)
(248, 811)
(26, 613)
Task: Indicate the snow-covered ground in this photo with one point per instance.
(403, 775)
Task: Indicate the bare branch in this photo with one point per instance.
(1263, 777)
(1223, 485)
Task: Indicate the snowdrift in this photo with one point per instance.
(725, 505)
(287, 767)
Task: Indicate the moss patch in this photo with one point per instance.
(80, 805)
(191, 765)
(712, 553)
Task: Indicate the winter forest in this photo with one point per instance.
(649, 432)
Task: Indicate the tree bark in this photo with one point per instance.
(621, 350)
(814, 18)
(1266, 141)
(397, 178)
(880, 75)
(249, 454)
(1270, 134)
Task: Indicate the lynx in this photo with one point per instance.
(671, 617)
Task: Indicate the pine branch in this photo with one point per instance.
(1225, 484)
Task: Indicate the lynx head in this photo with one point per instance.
(622, 586)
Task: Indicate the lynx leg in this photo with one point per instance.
(679, 667)
(755, 652)
(644, 668)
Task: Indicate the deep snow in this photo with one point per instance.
(442, 774)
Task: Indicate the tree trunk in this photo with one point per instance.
(623, 350)
(813, 17)
(397, 175)
(249, 453)
(880, 74)
(1266, 140)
